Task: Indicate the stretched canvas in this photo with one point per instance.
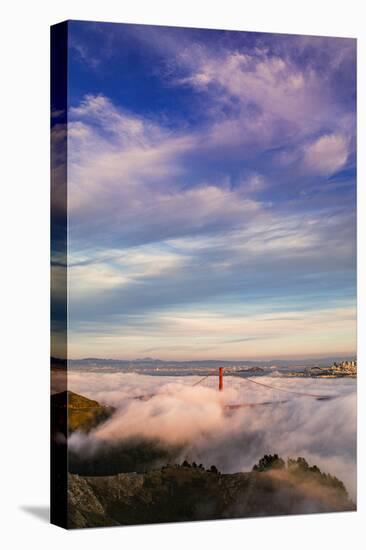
(203, 274)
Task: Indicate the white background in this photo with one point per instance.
(24, 309)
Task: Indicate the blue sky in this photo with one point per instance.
(211, 193)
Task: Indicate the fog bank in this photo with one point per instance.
(175, 412)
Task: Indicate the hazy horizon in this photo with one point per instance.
(328, 356)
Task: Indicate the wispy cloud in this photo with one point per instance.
(128, 177)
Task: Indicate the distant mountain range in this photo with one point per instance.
(152, 362)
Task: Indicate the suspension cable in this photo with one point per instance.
(306, 394)
(201, 380)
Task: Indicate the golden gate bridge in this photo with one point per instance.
(219, 375)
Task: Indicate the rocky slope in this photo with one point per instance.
(177, 493)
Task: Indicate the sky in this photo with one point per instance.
(211, 193)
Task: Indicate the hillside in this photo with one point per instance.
(177, 493)
(82, 413)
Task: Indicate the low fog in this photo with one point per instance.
(193, 417)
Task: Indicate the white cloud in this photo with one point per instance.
(281, 91)
(327, 154)
(276, 101)
(127, 180)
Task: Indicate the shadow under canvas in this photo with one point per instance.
(40, 512)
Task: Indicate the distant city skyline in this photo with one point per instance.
(211, 194)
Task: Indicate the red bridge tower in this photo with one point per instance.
(221, 379)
